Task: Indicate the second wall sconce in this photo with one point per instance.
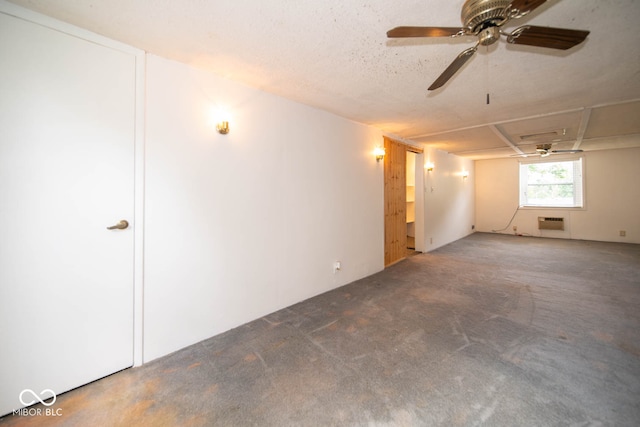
(428, 166)
(465, 174)
(379, 153)
(223, 127)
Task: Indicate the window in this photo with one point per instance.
(551, 184)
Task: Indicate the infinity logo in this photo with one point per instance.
(37, 398)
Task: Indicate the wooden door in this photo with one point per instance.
(66, 174)
(395, 200)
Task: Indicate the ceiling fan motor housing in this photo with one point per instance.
(481, 15)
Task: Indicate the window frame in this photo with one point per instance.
(554, 159)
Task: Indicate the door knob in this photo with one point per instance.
(119, 226)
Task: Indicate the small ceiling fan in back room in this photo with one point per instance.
(544, 150)
(484, 19)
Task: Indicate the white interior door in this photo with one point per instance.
(67, 119)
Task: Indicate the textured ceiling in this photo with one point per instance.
(334, 55)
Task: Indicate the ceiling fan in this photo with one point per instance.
(484, 18)
(544, 150)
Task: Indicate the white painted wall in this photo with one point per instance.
(240, 225)
(449, 199)
(612, 199)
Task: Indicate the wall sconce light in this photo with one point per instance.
(465, 174)
(379, 152)
(428, 166)
(223, 127)
(219, 117)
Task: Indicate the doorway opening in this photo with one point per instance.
(410, 213)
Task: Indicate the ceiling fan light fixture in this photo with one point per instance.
(544, 150)
(489, 36)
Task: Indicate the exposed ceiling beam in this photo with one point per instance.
(537, 116)
(523, 118)
(584, 122)
(505, 139)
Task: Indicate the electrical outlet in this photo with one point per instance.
(623, 233)
(337, 266)
(515, 228)
(431, 240)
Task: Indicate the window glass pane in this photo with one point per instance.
(553, 184)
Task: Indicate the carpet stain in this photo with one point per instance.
(152, 386)
(441, 296)
(138, 409)
(602, 336)
(629, 348)
(196, 421)
(363, 321)
(145, 413)
(278, 344)
(76, 402)
(601, 366)
(460, 418)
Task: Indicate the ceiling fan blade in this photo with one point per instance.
(424, 32)
(453, 67)
(522, 7)
(554, 38)
(567, 151)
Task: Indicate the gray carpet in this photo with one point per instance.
(490, 330)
